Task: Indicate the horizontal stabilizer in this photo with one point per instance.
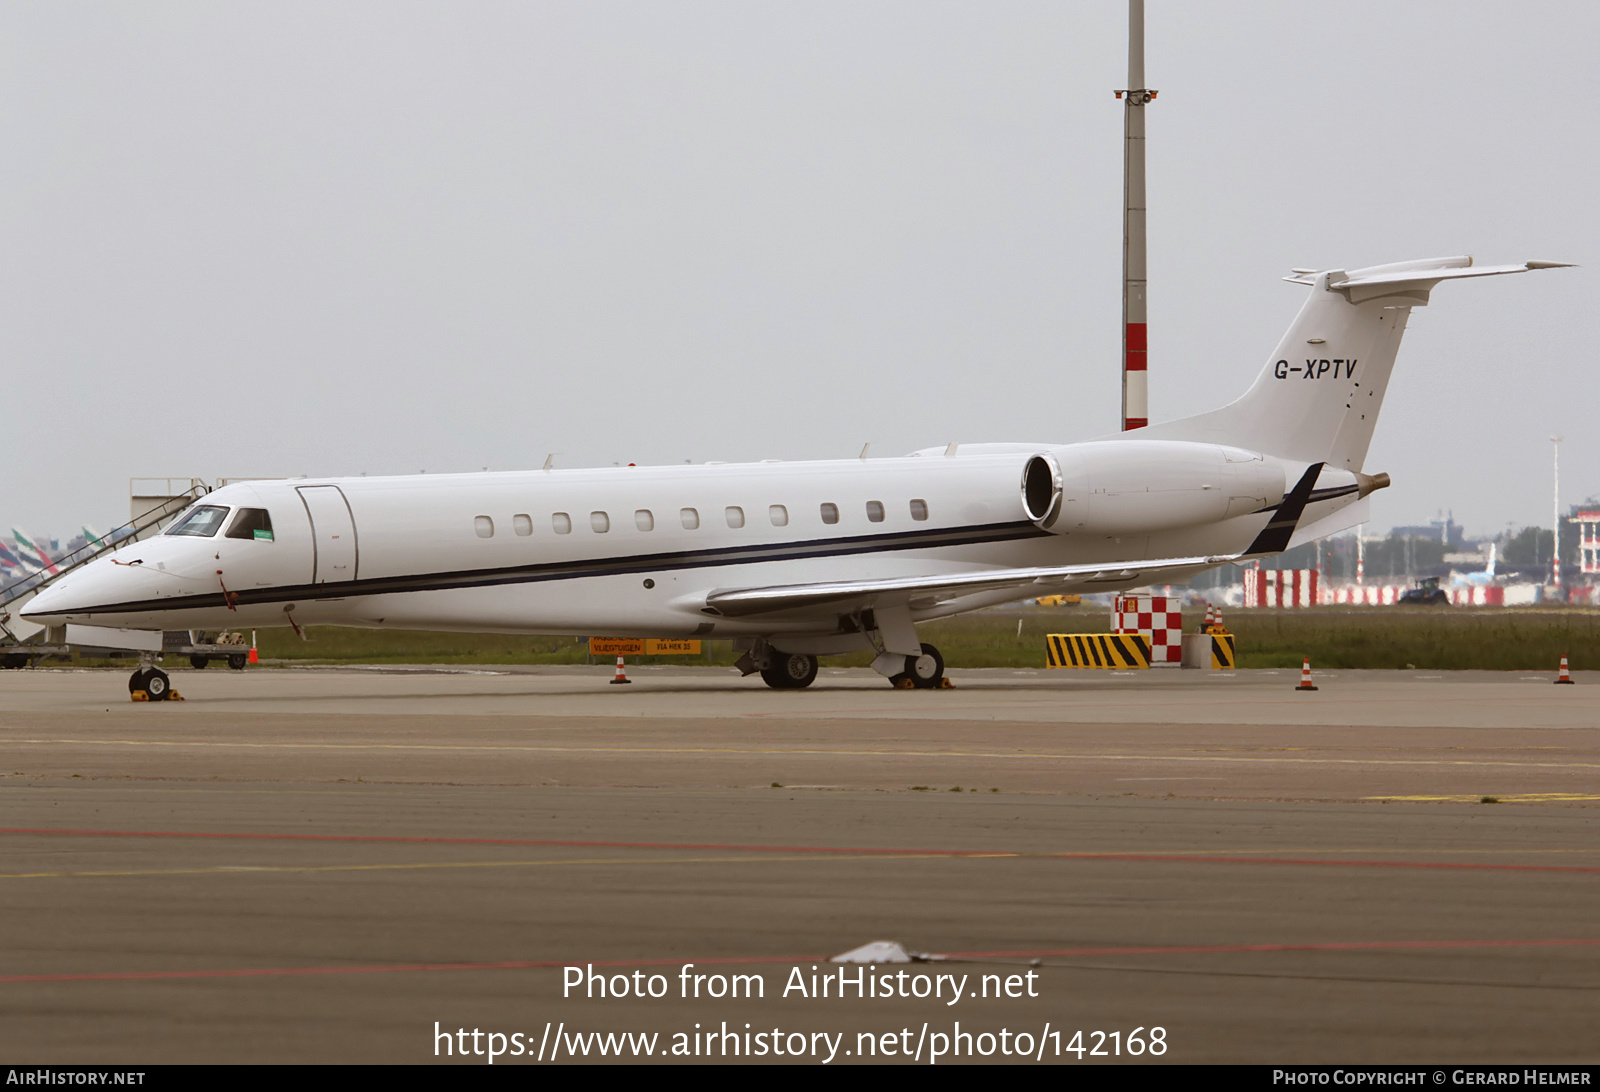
(1317, 397)
(1409, 278)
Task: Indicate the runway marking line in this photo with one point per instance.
(860, 753)
(235, 870)
(1034, 953)
(858, 852)
(1504, 798)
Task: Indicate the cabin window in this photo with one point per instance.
(830, 513)
(484, 526)
(562, 523)
(735, 516)
(201, 522)
(251, 523)
(690, 518)
(643, 520)
(779, 515)
(522, 524)
(599, 522)
(875, 511)
(919, 509)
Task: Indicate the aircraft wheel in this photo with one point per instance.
(199, 662)
(925, 671)
(789, 670)
(236, 661)
(136, 680)
(157, 685)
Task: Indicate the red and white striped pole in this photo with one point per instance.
(1135, 338)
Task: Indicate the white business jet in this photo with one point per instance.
(794, 560)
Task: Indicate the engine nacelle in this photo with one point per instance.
(1138, 486)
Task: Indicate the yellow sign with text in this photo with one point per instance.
(671, 646)
(641, 646)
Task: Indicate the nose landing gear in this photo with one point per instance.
(152, 682)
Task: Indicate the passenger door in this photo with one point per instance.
(335, 555)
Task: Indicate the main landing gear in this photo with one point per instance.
(924, 672)
(789, 670)
(795, 670)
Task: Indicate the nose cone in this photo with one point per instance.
(97, 587)
(57, 603)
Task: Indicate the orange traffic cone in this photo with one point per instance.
(1564, 677)
(1210, 619)
(1305, 676)
(621, 675)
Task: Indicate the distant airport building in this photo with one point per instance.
(1587, 517)
(1446, 531)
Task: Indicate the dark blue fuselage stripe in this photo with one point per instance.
(611, 566)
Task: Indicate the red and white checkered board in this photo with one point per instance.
(1158, 617)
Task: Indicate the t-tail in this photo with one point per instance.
(1318, 397)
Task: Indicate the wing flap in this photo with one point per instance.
(929, 591)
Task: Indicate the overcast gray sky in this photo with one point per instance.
(335, 237)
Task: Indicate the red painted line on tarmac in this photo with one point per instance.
(1034, 953)
(400, 838)
(854, 850)
(1327, 863)
(401, 968)
(1346, 946)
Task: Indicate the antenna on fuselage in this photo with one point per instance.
(550, 461)
(864, 448)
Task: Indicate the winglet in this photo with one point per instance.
(1274, 537)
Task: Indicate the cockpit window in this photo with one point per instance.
(251, 523)
(201, 522)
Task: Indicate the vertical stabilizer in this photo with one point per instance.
(1318, 397)
(33, 552)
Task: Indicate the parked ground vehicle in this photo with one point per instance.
(1427, 593)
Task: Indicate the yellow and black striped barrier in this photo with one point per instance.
(1222, 653)
(1122, 650)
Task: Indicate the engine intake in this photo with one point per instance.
(1041, 490)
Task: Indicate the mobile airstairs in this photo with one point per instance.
(153, 502)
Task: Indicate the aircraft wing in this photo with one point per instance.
(923, 592)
